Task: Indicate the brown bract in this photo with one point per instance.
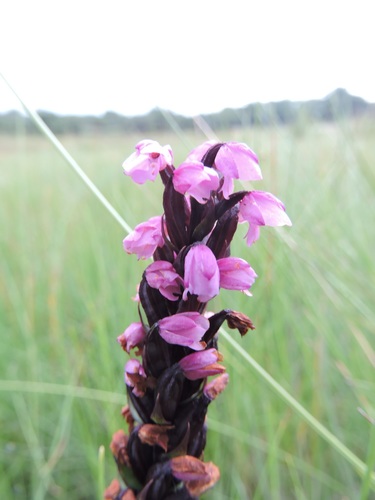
(239, 321)
(118, 447)
(128, 417)
(155, 435)
(198, 476)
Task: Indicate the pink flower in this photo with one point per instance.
(162, 275)
(196, 180)
(132, 337)
(201, 273)
(236, 274)
(145, 238)
(236, 160)
(184, 329)
(202, 364)
(259, 208)
(147, 161)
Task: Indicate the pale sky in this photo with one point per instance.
(191, 57)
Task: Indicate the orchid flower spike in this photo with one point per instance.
(179, 369)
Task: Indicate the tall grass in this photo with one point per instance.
(66, 294)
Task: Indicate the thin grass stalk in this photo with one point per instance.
(313, 423)
(101, 471)
(319, 428)
(47, 132)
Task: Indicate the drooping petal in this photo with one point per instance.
(162, 275)
(201, 276)
(263, 209)
(132, 337)
(237, 161)
(194, 179)
(235, 274)
(147, 161)
(201, 364)
(259, 208)
(184, 329)
(145, 238)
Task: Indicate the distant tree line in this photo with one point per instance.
(338, 104)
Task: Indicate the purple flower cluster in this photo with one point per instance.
(168, 391)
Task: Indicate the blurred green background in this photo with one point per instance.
(65, 295)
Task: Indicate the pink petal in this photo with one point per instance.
(147, 161)
(185, 329)
(252, 234)
(132, 337)
(194, 179)
(145, 238)
(235, 274)
(259, 208)
(201, 364)
(201, 276)
(238, 161)
(271, 208)
(162, 275)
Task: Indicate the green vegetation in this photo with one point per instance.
(66, 295)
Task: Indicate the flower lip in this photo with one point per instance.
(201, 275)
(194, 179)
(236, 274)
(201, 364)
(185, 329)
(145, 238)
(260, 208)
(163, 276)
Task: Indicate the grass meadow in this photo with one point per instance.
(65, 295)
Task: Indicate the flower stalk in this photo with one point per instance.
(176, 339)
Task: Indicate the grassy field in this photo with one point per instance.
(65, 295)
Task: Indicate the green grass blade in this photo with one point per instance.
(320, 429)
(69, 159)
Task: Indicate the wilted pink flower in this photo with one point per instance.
(259, 208)
(236, 274)
(162, 275)
(196, 180)
(216, 386)
(202, 364)
(145, 238)
(147, 161)
(236, 160)
(132, 337)
(135, 377)
(201, 273)
(185, 329)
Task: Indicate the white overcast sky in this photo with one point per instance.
(191, 57)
